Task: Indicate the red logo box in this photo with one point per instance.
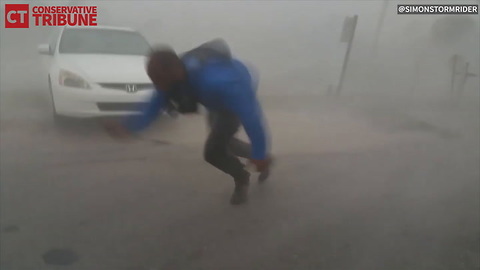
(17, 16)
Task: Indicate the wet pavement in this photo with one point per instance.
(360, 183)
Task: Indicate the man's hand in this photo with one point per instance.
(261, 165)
(116, 130)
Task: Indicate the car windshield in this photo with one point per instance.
(103, 41)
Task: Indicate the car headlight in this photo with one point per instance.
(70, 79)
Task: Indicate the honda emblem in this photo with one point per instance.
(131, 88)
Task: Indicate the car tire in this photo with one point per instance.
(57, 118)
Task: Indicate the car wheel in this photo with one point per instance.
(57, 119)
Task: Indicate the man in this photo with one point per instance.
(209, 75)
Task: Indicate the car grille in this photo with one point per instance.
(124, 86)
(124, 106)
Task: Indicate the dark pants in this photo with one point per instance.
(222, 149)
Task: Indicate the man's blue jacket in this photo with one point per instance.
(218, 85)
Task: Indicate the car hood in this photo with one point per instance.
(107, 68)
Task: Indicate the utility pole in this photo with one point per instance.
(465, 75)
(453, 62)
(381, 20)
(347, 36)
(374, 51)
(459, 75)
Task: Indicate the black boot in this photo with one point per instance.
(240, 194)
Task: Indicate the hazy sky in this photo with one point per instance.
(299, 41)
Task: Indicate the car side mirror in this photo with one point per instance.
(44, 49)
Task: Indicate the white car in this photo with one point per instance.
(96, 71)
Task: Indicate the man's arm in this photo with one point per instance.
(241, 99)
(149, 113)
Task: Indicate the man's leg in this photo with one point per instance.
(238, 147)
(223, 126)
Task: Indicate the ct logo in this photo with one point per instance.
(16, 16)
